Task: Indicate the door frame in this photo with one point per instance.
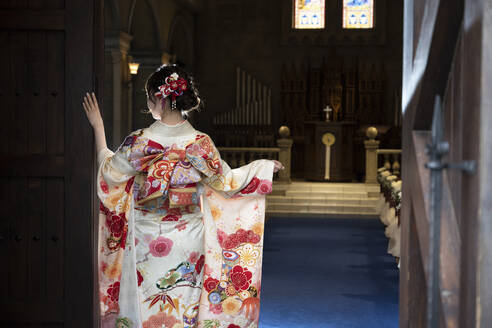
(438, 35)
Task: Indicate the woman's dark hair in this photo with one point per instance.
(188, 101)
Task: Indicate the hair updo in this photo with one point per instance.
(187, 102)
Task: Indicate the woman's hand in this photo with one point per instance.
(278, 166)
(92, 111)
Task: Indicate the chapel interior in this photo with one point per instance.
(352, 96)
(257, 73)
(315, 84)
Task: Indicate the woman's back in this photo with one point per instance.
(180, 232)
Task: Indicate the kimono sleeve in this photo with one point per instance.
(114, 169)
(251, 179)
(115, 178)
(114, 172)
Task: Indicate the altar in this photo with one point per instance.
(329, 151)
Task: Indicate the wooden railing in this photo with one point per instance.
(239, 156)
(390, 157)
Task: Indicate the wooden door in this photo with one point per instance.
(447, 45)
(50, 54)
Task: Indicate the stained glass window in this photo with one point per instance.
(309, 14)
(358, 13)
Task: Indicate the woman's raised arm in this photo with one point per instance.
(93, 113)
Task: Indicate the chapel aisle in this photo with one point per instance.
(328, 273)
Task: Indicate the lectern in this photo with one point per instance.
(329, 151)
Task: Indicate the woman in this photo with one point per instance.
(180, 232)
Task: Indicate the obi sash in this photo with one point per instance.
(166, 170)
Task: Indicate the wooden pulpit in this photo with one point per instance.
(329, 151)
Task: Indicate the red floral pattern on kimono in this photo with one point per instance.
(180, 233)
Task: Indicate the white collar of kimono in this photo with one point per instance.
(167, 130)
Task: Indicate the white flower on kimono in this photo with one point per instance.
(155, 183)
(248, 255)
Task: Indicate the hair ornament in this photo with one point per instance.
(175, 86)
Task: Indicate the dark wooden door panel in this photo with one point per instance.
(17, 45)
(32, 91)
(33, 246)
(32, 4)
(17, 243)
(49, 59)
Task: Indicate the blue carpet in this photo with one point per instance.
(328, 273)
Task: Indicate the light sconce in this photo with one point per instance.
(133, 66)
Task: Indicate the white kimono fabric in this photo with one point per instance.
(180, 232)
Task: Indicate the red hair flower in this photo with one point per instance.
(174, 86)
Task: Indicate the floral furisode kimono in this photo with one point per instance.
(180, 232)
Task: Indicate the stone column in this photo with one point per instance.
(284, 156)
(117, 43)
(371, 146)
